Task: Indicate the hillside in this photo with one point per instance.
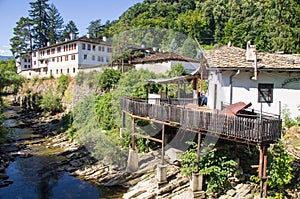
(271, 25)
(5, 57)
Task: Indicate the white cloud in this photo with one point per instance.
(5, 52)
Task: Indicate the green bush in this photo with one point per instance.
(50, 103)
(79, 78)
(109, 79)
(280, 169)
(63, 83)
(215, 164)
(103, 108)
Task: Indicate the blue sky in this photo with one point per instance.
(82, 12)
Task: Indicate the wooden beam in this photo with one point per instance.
(148, 137)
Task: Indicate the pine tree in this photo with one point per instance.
(94, 29)
(21, 42)
(55, 25)
(69, 28)
(39, 16)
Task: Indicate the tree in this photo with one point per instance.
(40, 19)
(8, 77)
(192, 23)
(189, 48)
(55, 25)
(109, 79)
(69, 28)
(21, 42)
(94, 29)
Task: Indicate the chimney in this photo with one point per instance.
(250, 52)
(104, 38)
(87, 35)
(72, 36)
(48, 43)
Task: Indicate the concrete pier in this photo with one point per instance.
(132, 162)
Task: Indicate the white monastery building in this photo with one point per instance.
(68, 57)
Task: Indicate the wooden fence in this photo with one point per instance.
(254, 130)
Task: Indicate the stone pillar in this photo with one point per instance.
(161, 173)
(133, 162)
(196, 182)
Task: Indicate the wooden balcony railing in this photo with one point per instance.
(245, 129)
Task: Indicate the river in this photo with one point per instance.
(37, 177)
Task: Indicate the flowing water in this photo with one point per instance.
(37, 177)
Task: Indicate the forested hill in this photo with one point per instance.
(273, 25)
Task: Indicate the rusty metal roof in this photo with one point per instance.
(234, 109)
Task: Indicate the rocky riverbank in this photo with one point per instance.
(78, 161)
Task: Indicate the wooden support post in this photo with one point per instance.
(166, 90)
(163, 144)
(198, 151)
(132, 134)
(148, 90)
(263, 160)
(160, 91)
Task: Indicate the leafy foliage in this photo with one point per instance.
(9, 79)
(109, 79)
(217, 165)
(63, 83)
(103, 108)
(50, 103)
(271, 25)
(280, 168)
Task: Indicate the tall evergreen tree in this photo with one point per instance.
(69, 28)
(55, 25)
(21, 42)
(94, 29)
(39, 16)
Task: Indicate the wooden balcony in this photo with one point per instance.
(252, 130)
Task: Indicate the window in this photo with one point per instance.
(53, 59)
(89, 46)
(265, 93)
(94, 47)
(52, 50)
(107, 59)
(25, 60)
(72, 57)
(109, 50)
(68, 71)
(57, 59)
(74, 70)
(48, 52)
(98, 58)
(74, 46)
(58, 49)
(85, 57)
(66, 58)
(93, 57)
(34, 63)
(103, 48)
(34, 54)
(56, 71)
(25, 66)
(99, 48)
(61, 71)
(83, 46)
